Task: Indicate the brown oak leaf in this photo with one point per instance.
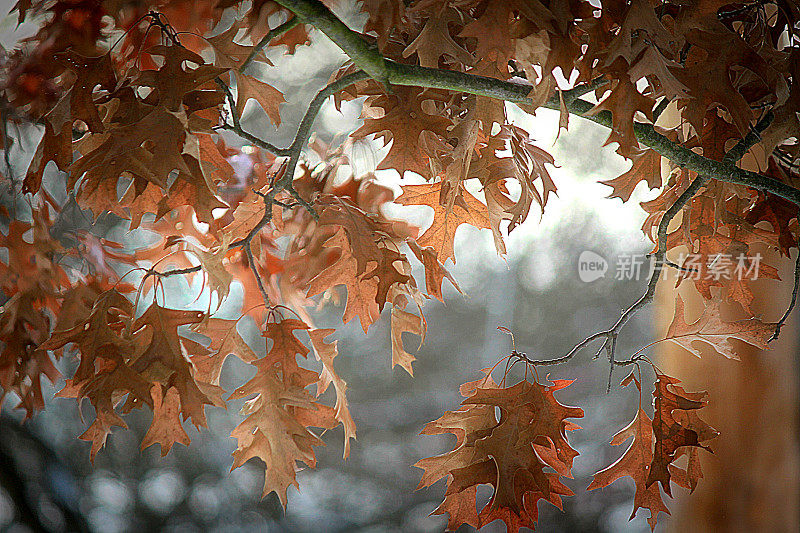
(441, 233)
(510, 454)
(671, 435)
(326, 352)
(711, 329)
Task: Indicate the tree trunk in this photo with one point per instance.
(751, 483)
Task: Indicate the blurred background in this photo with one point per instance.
(48, 484)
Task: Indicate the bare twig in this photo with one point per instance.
(634, 360)
(610, 335)
(257, 141)
(244, 243)
(676, 266)
(576, 92)
(788, 312)
(231, 102)
(236, 127)
(174, 272)
(752, 138)
(6, 139)
(662, 105)
(271, 34)
(302, 201)
(575, 349)
(304, 131)
(738, 11)
(249, 252)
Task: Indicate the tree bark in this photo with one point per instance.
(752, 481)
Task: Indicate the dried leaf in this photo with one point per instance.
(711, 329)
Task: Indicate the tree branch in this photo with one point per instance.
(271, 34)
(254, 140)
(371, 61)
(682, 156)
(249, 252)
(285, 181)
(304, 129)
(611, 334)
(373, 64)
(351, 42)
(231, 102)
(236, 127)
(788, 312)
(660, 107)
(751, 139)
(174, 272)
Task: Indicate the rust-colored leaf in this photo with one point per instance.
(510, 454)
(441, 233)
(711, 329)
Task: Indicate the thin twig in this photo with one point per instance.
(236, 127)
(304, 131)
(576, 92)
(658, 256)
(249, 252)
(788, 312)
(302, 201)
(634, 360)
(738, 11)
(271, 34)
(6, 140)
(243, 242)
(662, 105)
(231, 102)
(676, 266)
(174, 272)
(301, 136)
(610, 335)
(257, 141)
(752, 138)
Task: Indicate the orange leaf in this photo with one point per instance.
(441, 233)
(326, 353)
(711, 329)
(505, 453)
(166, 428)
(635, 463)
(267, 96)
